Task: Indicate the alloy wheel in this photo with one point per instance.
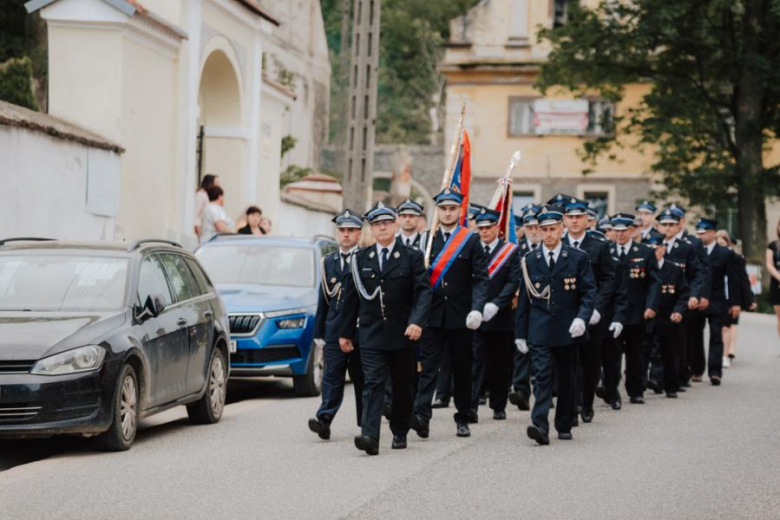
(128, 414)
(217, 385)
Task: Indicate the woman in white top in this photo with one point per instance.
(215, 220)
(202, 199)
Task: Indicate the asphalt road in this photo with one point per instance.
(714, 453)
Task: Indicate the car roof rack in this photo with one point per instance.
(138, 243)
(25, 239)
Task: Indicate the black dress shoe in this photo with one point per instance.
(638, 400)
(387, 410)
(420, 426)
(601, 393)
(681, 389)
(587, 415)
(576, 421)
(472, 416)
(685, 384)
(520, 401)
(715, 380)
(399, 442)
(565, 436)
(321, 427)
(539, 435)
(499, 415)
(367, 444)
(463, 430)
(654, 386)
(671, 395)
(616, 403)
(441, 403)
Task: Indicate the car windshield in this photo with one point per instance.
(259, 264)
(62, 283)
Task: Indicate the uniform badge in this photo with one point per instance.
(663, 289)
(565, 254)
(396, 255)
(333, 280)
(537, 285)
(676, 245)
(371, 254)
(635, 249)
(671, 289)
(347, 214)
(612, 250)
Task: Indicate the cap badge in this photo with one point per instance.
(347, 214)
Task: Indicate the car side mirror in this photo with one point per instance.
(152, 307)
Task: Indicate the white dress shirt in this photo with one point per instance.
(710, 248)
(408, 240)
(342, 252)
(379, 248)
(491, 245)
(578, 240)
(556, 253)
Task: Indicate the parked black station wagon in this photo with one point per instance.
(96, 336)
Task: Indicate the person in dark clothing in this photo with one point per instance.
(333, 274)
(254, 220)
(389, 296)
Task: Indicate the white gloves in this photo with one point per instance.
(577, 328)
(473, 320)
(319, 342)
(489, 312)
(616, 329)
(595, 318)
(522, 346)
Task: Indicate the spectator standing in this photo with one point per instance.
(773, 266)
(215, 220)
(202, 199)
(254, 221)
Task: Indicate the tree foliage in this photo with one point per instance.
(16, 83)
(412, 39)
(23, 53)
(713, 73)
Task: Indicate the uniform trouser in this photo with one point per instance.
(444, 381)
(564, 360)
(611, 362)
(633, 338)
(589, 367)
(337, 363)
(654, 357)
(496, 348)
(479, 363)
(521, 374)
(433, 344)
(715, 361)
(691, 330)
(669, 345)
(378, 365)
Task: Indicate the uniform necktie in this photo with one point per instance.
(487, 250)
(385, 251)
(446, 236)
(577, 244)
(533, 247)
(408, 242)
(552, 260)
(622, 253)
(344, 261)
(667, 245)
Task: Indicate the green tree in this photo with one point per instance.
(16, 83)
(411, 47)
(713, 71)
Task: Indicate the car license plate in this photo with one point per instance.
(233, 346)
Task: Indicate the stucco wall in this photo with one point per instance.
(297, 221)
(45, 187)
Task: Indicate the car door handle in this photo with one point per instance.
(181, 322)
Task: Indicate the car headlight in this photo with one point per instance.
(291, 323)
(83, 359)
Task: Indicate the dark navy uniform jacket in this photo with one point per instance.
(415, 243)
(639, 278)
(673, 297)
(406, 295)
(604, 269)
(326, 319)
(703, 288)
(463, 289)
(684, 253)
(502, 290)
(723, 264)
(572, 295)
(525, 247)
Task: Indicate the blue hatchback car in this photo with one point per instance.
(269, 286)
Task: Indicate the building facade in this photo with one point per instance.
(180, 85)
(491, 63)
